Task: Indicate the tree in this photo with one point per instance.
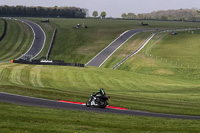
(95, 14)
(131, 15)
(140, 16)
(103, 15)
(124, 15)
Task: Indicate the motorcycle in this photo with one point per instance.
(97, 101)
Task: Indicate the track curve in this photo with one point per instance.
(39, 102)
(38, 41)
(102, 56)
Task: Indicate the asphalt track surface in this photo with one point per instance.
(38, 102)
(101, 57)
(38, 41)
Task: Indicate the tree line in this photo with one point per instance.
(180, 14)
(95, 14)
(23, 11)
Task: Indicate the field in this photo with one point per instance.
(152, 80)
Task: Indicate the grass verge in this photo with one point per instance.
(20, 119)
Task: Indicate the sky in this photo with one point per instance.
(113, 8)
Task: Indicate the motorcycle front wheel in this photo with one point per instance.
(88, 103)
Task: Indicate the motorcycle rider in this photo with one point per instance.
(101, 91)
(102, 95)
(98, 99)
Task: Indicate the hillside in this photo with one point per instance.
(81, 45)
(144, 82)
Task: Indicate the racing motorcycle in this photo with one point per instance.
(97, 101)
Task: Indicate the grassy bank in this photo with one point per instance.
(1, 27)
(17, 40)
(172, 56)
(132, 90)
(38, 120)
(182, 49)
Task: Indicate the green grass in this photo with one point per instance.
(1, 27)
(182, 49)
(173, 56)
(128, 89)
(80, 45)
(16, 42)
(20, 119)
(143, 82)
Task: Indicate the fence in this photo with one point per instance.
(176, 62)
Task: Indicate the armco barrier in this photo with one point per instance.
(51, 44)
(5, 30)
(55, 62)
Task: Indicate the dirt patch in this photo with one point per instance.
(164, 72)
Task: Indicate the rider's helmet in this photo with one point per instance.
(102, 91)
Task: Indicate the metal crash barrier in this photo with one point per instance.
(47, 62)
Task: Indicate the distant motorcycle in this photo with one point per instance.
(97, 101)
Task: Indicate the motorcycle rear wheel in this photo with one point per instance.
(103, 104)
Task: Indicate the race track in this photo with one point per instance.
(101, 57)
(31, 101)
(38, 41)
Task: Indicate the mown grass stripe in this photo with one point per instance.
(35, 77)
(9, 51)
(25, 75)
(6, 74)
(11, 37)
(21, 45)
(16, 74)
(16, 42)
